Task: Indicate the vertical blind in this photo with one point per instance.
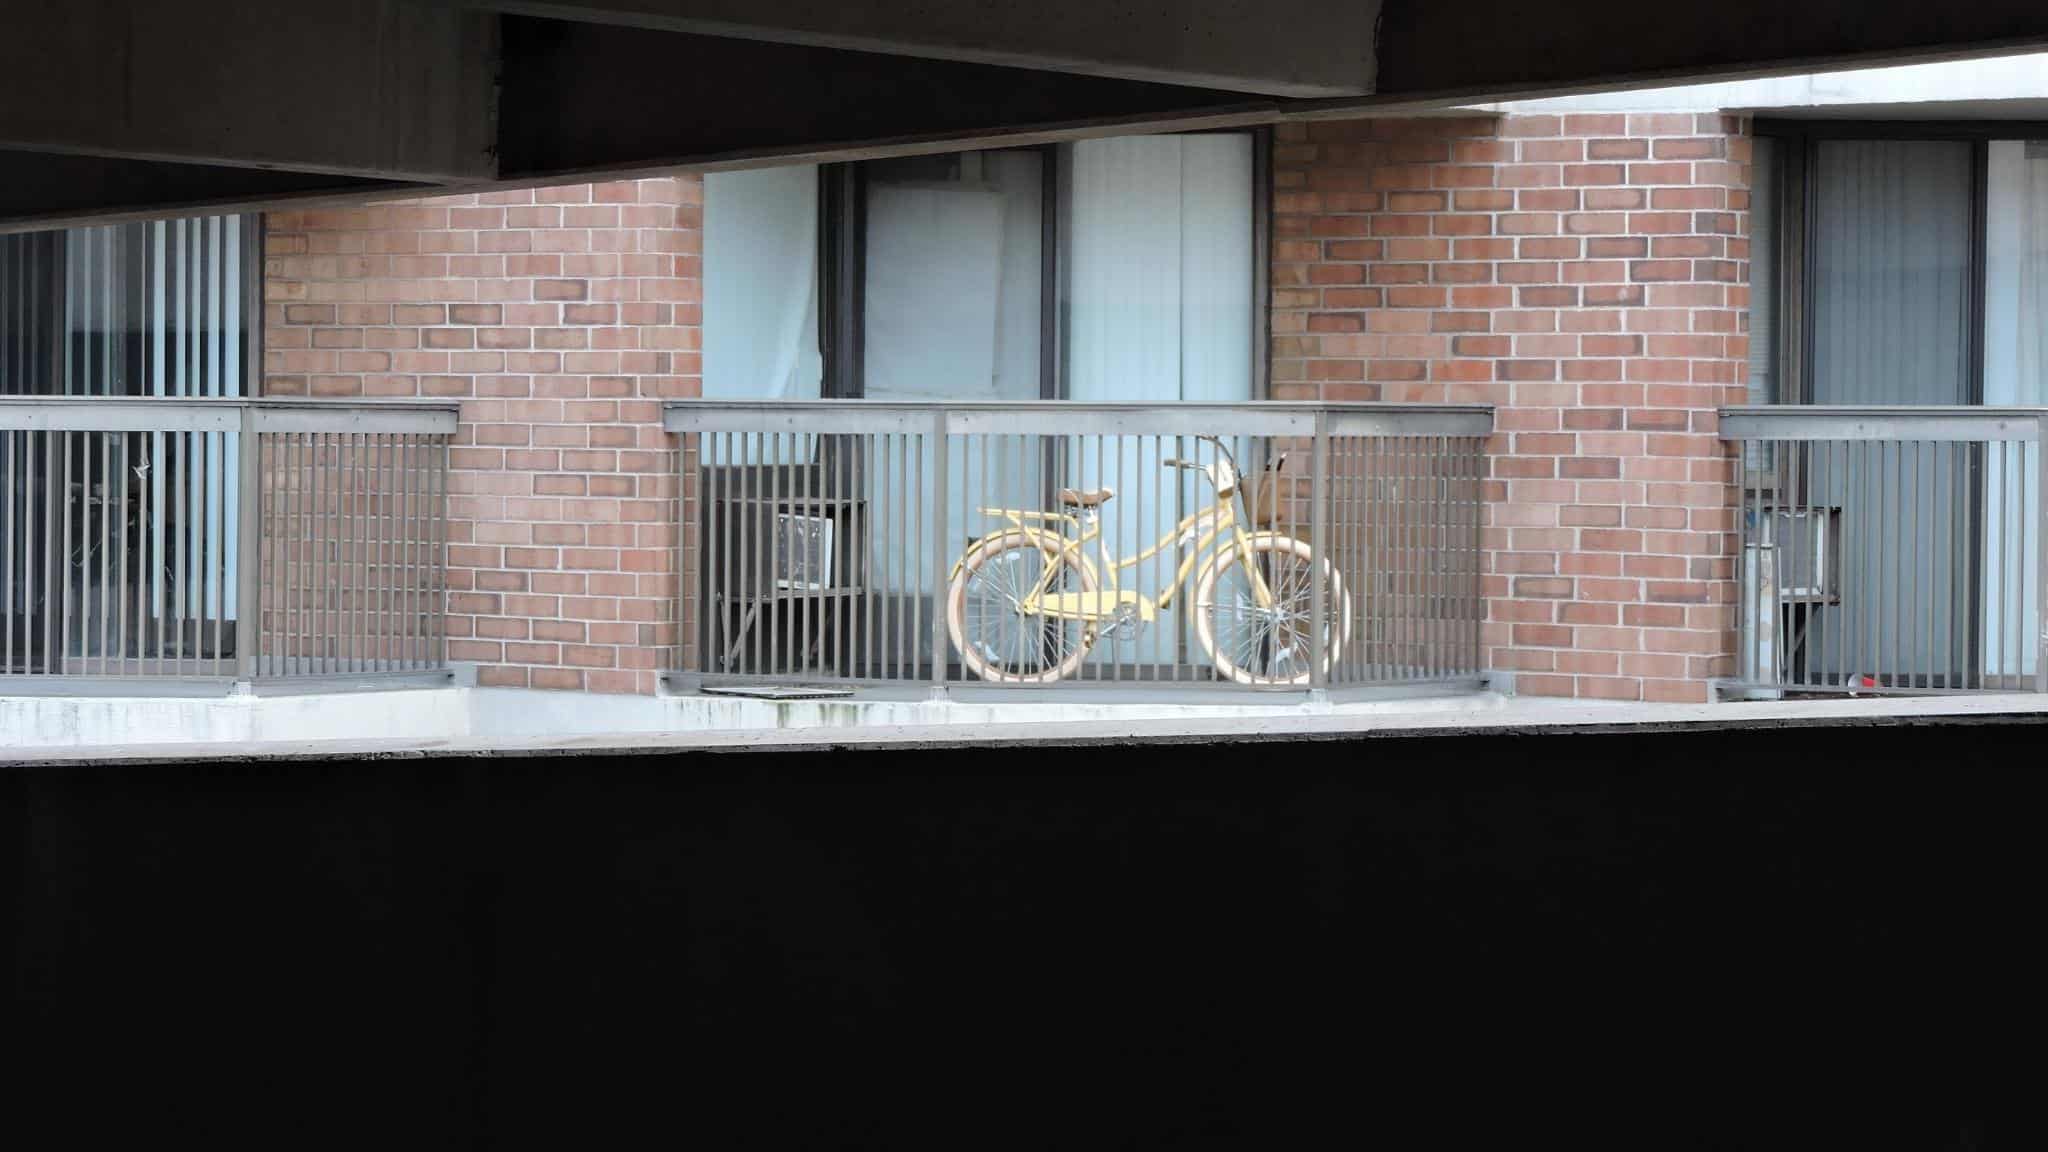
(1891, 314)
(1892, 268)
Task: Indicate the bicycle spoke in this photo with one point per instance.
(1008, 641)
(1274, 643)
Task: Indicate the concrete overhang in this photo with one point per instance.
(356, 99)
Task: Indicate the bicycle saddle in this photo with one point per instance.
(1077, 499)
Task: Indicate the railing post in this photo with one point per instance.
(941, 487)
(1319, 539)
(249, 553)
(2041, 554)
(686, 622)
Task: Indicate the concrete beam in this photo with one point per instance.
(372, 93)
(45, 190)
(388, 89)
(1436, 52)
(593, 98)
(1271, 47)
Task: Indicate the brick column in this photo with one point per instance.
(561, 318)
(1587, 276)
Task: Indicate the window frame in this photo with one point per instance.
(842, 245)
(1798, 142)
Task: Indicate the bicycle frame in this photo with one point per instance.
(1204, 527)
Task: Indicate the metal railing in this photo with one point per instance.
(1891, 549)
(1121, 547)
(145, 542)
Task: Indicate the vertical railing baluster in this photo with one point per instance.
(2040, 522)
(406, 590)
(249, 554)
(940, 564)
(726, 511)
(1320, 635)
(1996, 503)
(291, 526)
(869, 486)
(64, 592)
(221, 575)
(8, 589)
(37, 513)
(119, 589)
(99, 541)
(362, 450)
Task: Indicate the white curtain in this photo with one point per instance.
(1159, 310)
(2015, 373)
(1763, 271)
(1159, 294)
(954, 265)
(761, 285)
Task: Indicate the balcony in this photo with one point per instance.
(162, 546)
(1891, 549)
(1108, 551)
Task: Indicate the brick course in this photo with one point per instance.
(1587, 276)
(560, 318)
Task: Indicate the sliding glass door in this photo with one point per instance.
(1902, 265)
(2015, 373)
(1119, 270)
(146, 309)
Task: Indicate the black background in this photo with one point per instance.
(1781, 937)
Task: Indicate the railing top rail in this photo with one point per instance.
(224, 414)
(1064, 417)
(1959, 422)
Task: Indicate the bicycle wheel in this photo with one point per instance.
(1255, 645)
(998, 640)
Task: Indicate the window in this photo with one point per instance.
(1123, 269)
(951, 270)
(761, 285)
(1907, 264)
(1127, 269)
(150, 308)
(2016, 273)
(1899, 264)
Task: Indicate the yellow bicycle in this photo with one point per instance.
(1025, 604)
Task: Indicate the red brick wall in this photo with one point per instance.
(1587, 275)
(561, 318)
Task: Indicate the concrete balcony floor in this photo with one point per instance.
(485, 721)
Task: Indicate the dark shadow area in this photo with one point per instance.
(562, 80)
(1810, 937)
(58, 188)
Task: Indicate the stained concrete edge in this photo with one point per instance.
(1513, 716)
